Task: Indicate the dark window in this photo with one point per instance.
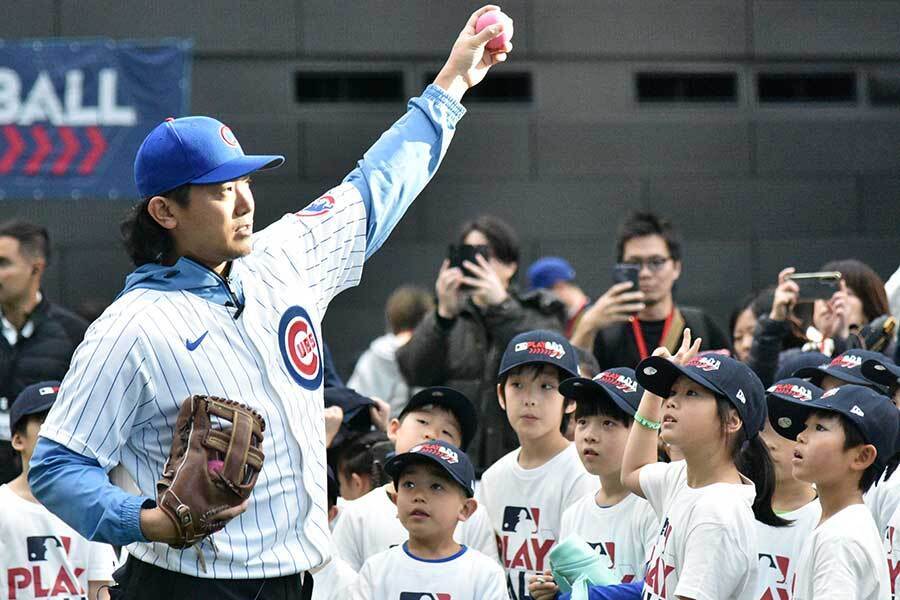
(884, 90)
(806, 87)
(497, 87)
(382, 86)
(686, 87)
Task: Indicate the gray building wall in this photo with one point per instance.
(752, 187)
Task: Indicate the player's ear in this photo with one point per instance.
(500, 397)
(468, 509)
(160, 210)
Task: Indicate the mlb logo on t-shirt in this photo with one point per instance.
(423, 596)
(521, 520)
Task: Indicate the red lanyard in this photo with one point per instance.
(639, 334)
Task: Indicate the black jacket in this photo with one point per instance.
(45, 354)
(465, 354)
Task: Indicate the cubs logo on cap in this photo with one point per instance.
(300, 348)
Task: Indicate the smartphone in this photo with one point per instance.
(624, 272)
(462, 252)
(817, 286)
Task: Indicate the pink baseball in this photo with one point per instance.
(215, 466)
(488, 19)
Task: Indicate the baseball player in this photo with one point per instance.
(214, 309)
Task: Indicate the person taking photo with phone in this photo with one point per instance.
(478, 311)
(639, 313)
(808, 316)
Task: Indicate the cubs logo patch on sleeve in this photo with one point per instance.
(300, 348)
(317, 207)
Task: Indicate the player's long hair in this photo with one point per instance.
(752, 459)
(146, 241)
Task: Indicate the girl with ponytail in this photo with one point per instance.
(712, 408)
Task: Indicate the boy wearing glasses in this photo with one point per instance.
(625, 324)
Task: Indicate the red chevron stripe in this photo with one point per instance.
(98, 148)
(70, 150)
(33, 166)
(16, 146)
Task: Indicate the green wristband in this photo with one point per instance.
(644, 422)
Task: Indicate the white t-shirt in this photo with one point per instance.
(779, 550)
(883, 499)
(42, 557)
(706, 546)
(395, 574)
(891, 539)
(525, 507)
(843, 559)
(369, 525)
(333, 581)
(622, 534)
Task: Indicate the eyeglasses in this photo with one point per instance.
(654, 263)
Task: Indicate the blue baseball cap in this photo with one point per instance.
(882, 371)
(35, 398)
(540, 346)
(872, 413)
(618, 385)
(846, 367)
(795, 360)
(721, 375)
(790, 419)
(454, 401)
(545, 272)
(193, 150)
(444, 454)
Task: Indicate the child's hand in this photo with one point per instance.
(685, 353)
(542, 587)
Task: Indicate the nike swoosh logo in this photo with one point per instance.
(191, 346)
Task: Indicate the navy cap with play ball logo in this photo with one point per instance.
(540, 346)
(619, 386)
(444, 454)
(454, 401)
(196, 150)
(846, 367)
(35, 398)
(872, 413)
(793, 361)
(882, 371)
(786, 417)
(719, 374)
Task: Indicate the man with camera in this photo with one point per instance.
(638, 313)
(478, 311)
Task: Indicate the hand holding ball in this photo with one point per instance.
(490, 18)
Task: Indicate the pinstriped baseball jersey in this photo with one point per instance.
(152, 349)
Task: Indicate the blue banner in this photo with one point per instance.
(74, 112)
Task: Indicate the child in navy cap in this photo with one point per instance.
(40, 555)
(849, 440)
(435, 484)
(712, 408)
(619, 525)
(883, 371)
(527, 491)
(843, 369)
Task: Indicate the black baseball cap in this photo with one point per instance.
(34, 399)
(444, 454)
(846, 367)
(618, 385)
(795, 360)
(720, 374)
(781, 399)
(882, 371)
(454, 401)
(356, 411)
(872, 413)
(540, 346)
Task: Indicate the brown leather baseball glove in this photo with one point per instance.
(215, 459)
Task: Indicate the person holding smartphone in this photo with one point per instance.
(638, 313)
(478, 311)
